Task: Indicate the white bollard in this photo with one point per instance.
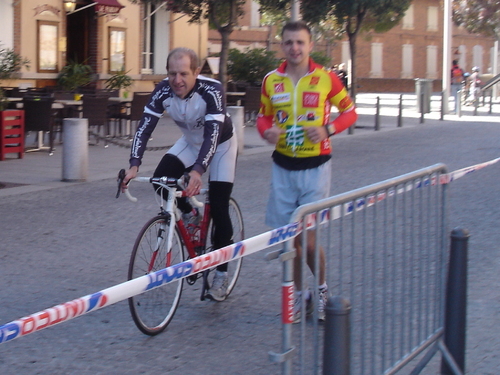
(237, 114)
(75, 155)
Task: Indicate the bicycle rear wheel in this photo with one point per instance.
(234, 266)
(153, 310)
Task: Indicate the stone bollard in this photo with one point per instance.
(237, 114)
(75, 158)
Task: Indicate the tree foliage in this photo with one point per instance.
(351, 16)
(478, 16)
(251, 65)
(221, 14)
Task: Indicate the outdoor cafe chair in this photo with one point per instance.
(39, 117)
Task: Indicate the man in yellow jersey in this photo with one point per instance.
(295, 108)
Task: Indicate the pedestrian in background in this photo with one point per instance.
(457, 78)
(295, 116)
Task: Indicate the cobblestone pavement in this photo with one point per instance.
(61, 241)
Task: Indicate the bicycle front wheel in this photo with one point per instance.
(153, 310)
(234, 267)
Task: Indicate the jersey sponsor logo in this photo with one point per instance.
(279, 87)
(310, 99)
(345, 103)
(281, 116)
(314, 81)
(295, 136)
(311, 116)
(280, 98)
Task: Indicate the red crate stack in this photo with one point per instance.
(11, 133)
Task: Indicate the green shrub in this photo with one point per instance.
(319, 57)
(251, 65)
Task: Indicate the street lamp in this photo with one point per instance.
(69, 5)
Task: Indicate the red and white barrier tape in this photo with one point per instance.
(83, 305)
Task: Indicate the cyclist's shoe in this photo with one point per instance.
(192, 218)
(218, 290)
(297, 308)
(323, 296)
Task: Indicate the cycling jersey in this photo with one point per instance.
(308, 103)
(200, 115)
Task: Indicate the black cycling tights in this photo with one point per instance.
(219, 193)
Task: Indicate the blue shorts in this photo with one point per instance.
(291, 189)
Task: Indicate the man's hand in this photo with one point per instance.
(316, 134)
(194, 185)
(272, 135)
(129, 175)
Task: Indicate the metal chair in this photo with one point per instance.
(135, 109)
(95, 109)
(38, 116)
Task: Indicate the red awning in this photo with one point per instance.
(108, 6)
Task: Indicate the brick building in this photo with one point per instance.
(385, 61)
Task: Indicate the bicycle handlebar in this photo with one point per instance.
(166, 181)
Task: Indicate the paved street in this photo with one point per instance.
(61, 241)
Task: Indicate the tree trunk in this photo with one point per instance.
(224, 53)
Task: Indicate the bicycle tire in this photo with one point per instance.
(153, 310)
(234, 266)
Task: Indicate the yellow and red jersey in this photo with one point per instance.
(308, 103)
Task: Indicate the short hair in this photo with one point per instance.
(183, 51)
(455, 62)
(296, 26)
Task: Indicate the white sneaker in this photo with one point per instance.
(297, 307)
(323, 297)
(218, 290)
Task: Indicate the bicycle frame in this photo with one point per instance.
(170, 210)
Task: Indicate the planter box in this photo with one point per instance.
(11, 133)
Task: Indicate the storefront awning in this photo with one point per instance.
(107, 6)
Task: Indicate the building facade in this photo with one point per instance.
(389, 61)
(108, 35)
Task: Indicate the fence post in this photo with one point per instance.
(377, 114)
(459, 103)
(456, 300)
(337, 341)
(400, 114)
(442, 106)
(491, 102)
(421, 107)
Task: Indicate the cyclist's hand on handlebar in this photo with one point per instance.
(129, 175)
(194, 185)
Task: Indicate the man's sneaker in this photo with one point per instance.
(218, 290)
(297, 310)
(323, 296)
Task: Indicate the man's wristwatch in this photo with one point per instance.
(330, 130)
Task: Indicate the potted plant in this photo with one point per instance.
(74, 75)
(10, 63)
(120, 81)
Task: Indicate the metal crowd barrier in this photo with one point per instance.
(386, 255)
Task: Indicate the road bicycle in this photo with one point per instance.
(165, 240)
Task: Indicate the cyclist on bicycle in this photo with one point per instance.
(196, 105)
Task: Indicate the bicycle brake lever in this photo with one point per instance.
(121, 177)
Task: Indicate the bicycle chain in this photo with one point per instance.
(119, 143)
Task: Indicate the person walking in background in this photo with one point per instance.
(295, 116)
(342, 73)
(474, 86)
(457, 78)
(196, 105)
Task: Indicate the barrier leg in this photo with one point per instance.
(337, 342)
(456, 300)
